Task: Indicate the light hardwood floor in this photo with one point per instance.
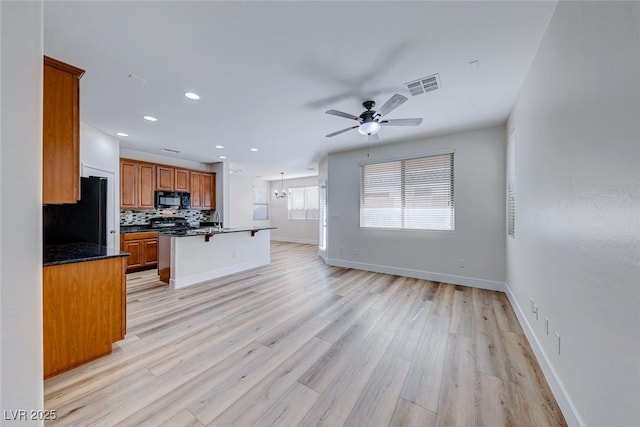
(301, 343)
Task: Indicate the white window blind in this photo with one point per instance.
(414, 194)
(303, 203)
(511, 191)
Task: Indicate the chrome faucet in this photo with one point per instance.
(216, 219)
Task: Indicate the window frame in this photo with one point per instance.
(402, 182)
(306, 209)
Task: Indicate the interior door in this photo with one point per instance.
(113, 235)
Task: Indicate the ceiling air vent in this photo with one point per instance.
(424, 85)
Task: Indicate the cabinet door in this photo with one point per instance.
(134, 247)
(165, 177)
(196, 190)
(60, 132)
(147, 173)
(208, 191)
(182, 180)
(128, 184)
(150, 251)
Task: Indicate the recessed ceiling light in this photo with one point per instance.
(223, 157)
(254, 149)
(219, 146)
(122, 134)
(150, 118)
(192, 95)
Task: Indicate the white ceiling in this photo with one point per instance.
(267, 71)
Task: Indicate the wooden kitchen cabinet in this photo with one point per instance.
(166, 178)
(139, 181)
(137, 184)
(143, 247)
(209, 191)
(203, 190)
(60, 132)
(196, 189)
(84, 309)
(147, 188)
(182, 180)
(128, 184)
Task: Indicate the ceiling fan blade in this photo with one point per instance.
(401, 122)
(341, 114)
(340, 131)
(394, 102)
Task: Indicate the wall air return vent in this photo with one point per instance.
(424, 85)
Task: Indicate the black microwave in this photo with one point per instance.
(172, 200)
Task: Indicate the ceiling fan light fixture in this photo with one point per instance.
(369, 128)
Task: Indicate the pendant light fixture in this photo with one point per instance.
(281, 194)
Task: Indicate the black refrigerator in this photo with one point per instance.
(85, 221)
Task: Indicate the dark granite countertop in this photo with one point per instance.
(77, 252)
(203, 231)
(134, 228)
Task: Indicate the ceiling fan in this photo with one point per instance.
(370, 120)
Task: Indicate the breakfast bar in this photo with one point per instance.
(195, 256)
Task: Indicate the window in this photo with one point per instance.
(511, 191)
(303, 203)
(415, 194)
(260, 204)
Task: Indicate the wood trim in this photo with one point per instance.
(63, 66)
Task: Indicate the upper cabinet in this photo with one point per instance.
(203, 190)
(209, 191)
(166, 178)
(139, 180)
(196, 190)
(137, 184)
(60, 132)
(182, 180)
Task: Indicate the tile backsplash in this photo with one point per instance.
(130, 217)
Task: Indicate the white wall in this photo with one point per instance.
(21, 208)
(296, 231)
(478, 242)
(240, 212)
(577, 245)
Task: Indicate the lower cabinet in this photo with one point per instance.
(143, 247)
(84, 312)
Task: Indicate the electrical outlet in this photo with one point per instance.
(535, 311)
(355, 251)
(341, 250)
(558, 341)
(462, 263)
(546, 325)
(532, 304)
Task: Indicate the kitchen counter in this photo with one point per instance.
(197, 256)
(210, 231)
(77, 252)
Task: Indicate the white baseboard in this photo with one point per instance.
(219, 272)
(557, 388)
(294, 240)
(473, 282)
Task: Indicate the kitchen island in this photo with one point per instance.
(196, 256)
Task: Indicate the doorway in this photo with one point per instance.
(113, 237)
